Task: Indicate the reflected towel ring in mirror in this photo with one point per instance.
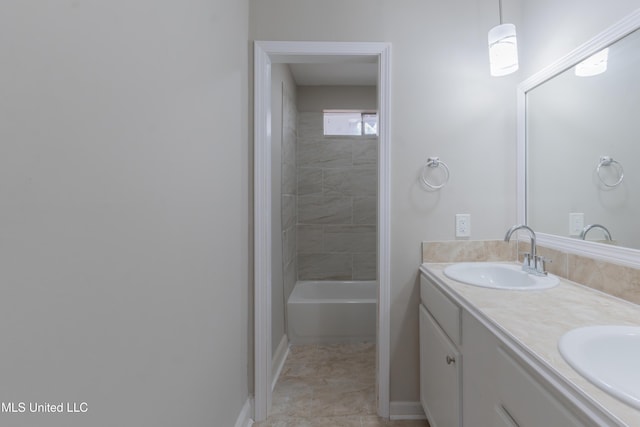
(434, 163)
(608, 161)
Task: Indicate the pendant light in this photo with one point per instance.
(503, 48)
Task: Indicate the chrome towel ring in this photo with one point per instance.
(608, 161)
(433, 163)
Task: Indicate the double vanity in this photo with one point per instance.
(506, 345)
(503, 347)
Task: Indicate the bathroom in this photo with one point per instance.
(478, 145)
(127, 165)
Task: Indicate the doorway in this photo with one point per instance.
(265, 54)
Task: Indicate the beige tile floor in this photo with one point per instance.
(329, 386)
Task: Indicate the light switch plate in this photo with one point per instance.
(463, 225)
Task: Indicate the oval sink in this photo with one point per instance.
(498, 276)
(607, 356)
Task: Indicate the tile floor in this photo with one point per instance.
(329, 386)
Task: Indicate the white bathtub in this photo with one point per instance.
(332, 311)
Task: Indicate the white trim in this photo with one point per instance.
(383, 356)
(279, 357)
(244, 418)
(262, 232)
(295, 51)
(611, 253)
(407, 411)
(266, 52)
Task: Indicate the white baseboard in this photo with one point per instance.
(244, 419)
(278, 360)
(406, 411)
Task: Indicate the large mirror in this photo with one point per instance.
(579, 147)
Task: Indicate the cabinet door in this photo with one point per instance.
(502, 418)
(440, 366)
(500, 392)
(480, 404)
(526, 401)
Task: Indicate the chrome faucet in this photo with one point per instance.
(585, 230)
(533, 263)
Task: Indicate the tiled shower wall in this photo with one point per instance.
(337, 202)
(289, 189)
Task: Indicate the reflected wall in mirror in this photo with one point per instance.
(573, 122)
(579, 148)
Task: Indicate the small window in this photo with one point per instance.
(355, 123)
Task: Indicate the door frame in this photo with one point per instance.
(266, 53)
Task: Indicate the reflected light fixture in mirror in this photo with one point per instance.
(503, 48)
(593, 65)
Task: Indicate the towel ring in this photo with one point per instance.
(434, 162)
(608, 161)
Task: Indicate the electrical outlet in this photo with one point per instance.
(576, 223)
(463, 225)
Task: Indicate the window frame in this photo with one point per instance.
(362, 122)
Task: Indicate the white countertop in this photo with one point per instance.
(537, 319)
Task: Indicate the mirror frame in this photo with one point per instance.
(619, 255)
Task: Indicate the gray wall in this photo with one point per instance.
(337, 189)
(124, 204)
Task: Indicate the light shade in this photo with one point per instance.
(503, 50)
(593, 65)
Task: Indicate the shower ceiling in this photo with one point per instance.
(335, 74)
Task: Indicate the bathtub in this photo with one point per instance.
(320, 312)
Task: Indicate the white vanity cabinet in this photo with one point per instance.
(501, 389)
(440, 359)
(470, 377)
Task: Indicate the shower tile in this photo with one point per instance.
(310, 124)
(289, 122)
(324, 210)
(364, 266)
(365, 152)
(309, 181)
(336, 182)
(365, 210)
(290, 276)
(364, 181)
(350, 182)
(326, 153)
(306, 139)
(289, 178)
(324, 266)
(310, 238)
(350, 238)
(289, 217)
(289, 140)
(288, 244)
